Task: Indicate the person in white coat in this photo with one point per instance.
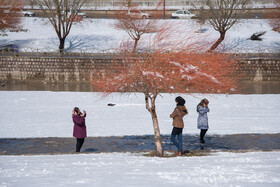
(202, 120)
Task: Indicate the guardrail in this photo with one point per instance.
(248, 51)
(91, 52)
(55, 52)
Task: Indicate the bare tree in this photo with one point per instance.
(201, 18)
(136, 28)
(128, 2)
(61, 14)
(222, 15)
(275, 16)
(10, 15)
(136, 25)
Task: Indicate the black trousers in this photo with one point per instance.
(79, 144)
(202, 134)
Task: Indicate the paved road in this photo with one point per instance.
(238, 142)
(257, 13)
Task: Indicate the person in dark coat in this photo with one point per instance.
(178, 124)
(80, 131)
(202, 120)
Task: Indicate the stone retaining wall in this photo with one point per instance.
(81, 70)
(260, 69)
(67, 70)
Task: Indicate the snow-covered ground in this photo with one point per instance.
(48, 114)
(253, 169)
(100, 34)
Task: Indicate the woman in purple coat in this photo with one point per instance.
(80, 131)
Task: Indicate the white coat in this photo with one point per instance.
(202, 120)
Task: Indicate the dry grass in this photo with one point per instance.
(170, 154)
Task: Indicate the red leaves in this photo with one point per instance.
(180, 72)
(10, 13)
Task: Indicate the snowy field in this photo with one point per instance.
(100, 34)
(48, 114)
(253, 169)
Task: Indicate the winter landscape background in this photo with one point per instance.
(33, 114)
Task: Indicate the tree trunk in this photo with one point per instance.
(152, 110)
(217, 43)
(135, 45)
(61, 44)
(128, 3)
(158, 145)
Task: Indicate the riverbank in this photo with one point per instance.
(245, 87)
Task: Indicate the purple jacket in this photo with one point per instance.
(80, 130)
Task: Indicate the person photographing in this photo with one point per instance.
(80, 131)
(202, 120)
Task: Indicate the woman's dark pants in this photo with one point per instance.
(202, 134)
(80, 142)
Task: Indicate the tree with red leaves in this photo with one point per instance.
(10, 14)
(167, 69)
